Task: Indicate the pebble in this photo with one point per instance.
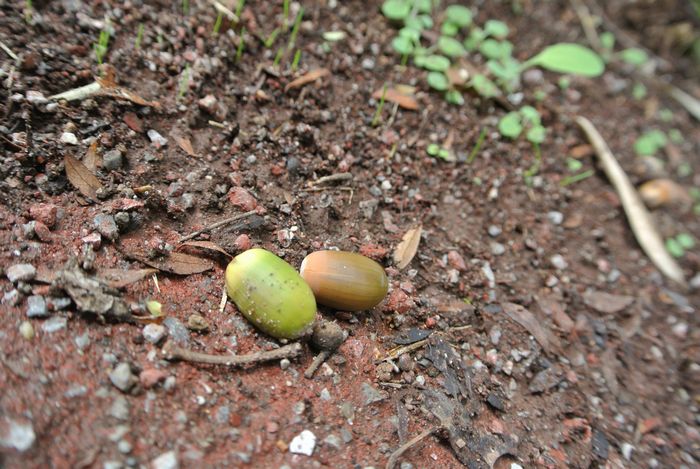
(27, 330)
(241, 198)
(303, 443)
(680, 329)
(122, 220)
(120, 408)
(695, 282)
(333, 441)
(11, 297)
(556, 218)
(559, 262)
(36, 307)
(494, 231)
(124, 447)
(54, 324)
(112, 465)
(20, 273)
(35, 97)
(157, 140)
(69, 138)
(76, 391)
(420, 380)
(177, 331)
(284, 363)
(626, 450)
(169, 383)
(112, 160)
(122, 378)
(154, 333)
(82, 341)
(495, 335)
(151, 376)
(45, 213)
(371, 394)
(325, 395)
(17, 435)
(106, 226)
(497, 249)
(166, 461)
(533, 76)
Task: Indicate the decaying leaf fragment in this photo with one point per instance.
(406, 101)
(209, 245)
(407, 248)
(81, 178)
(526, 319)
(307, 78)
(119, 278)
(177, 263)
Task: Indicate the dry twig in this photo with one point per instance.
(403, 448)
(172, 352)
(218, 224)
(639, 218)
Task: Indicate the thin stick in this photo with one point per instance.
(218, 224)
(173, 352)
(402, 449)
(587, 23)
(640, 220)
(220, 8)
(338, 177)
(9, 52)
(316, 363)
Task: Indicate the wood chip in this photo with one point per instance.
(92, 159)
(185, 144)
(209, 245)
(119, 278)
(392, 95)
(177, 263)
(525, 318)
(81, 178)
(307, 78)
(407, 248)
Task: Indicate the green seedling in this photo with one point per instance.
(650, 143)
(278, 57)
(285, 12)
(568, 58)
(437, 151)
(438, 81)
(154, 308)
(451, 47)
(567, 181)
(139, 37)
(295, 30)
(477, 146)
(484, 86)
(186, 7)
(241, 45)
(527, 118)
(666, 115)
(607, 45)
(217, 24)
(459, 15)
(184, 83)
(634, 56)
(496, 29)
(271, 38)
(680, 244)
(675, 136)
(639, 91)
(454, 97)
(239, 8)
(380, 106)
(295, 61)
(100, 47)
(396, 10)
(334, 36)
(564, 83)
(535, 168)
(573, 165)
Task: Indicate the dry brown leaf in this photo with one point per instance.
(185, 144)
(123, 93)
(526, 319)
(606, 302)
(92, 159)
(392, 95)
(178, 263)
(81, 178)
(307, 78)
(206, 245)
(119, 278)
(407, 248)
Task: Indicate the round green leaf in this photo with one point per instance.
(427, 21)
(569, 58)
(493, 49)
(396, 10)
(410, 33)
(459, 15)
(485, 87)
(496, 28)
(402, 45)
(510, 125)
(424, 6)
(450, 46)
(607, 40)
(634, 56)
(530, 115)
(454, 97)
(414, 23)
(674, 248)
(475, 37)
(436, 63)
(536, 134)
(433, 149)
(449, 29)
(685, 240)
(444, 153)
(649, 143)
(438, 81)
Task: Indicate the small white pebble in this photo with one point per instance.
(303, 443)
(27, 330)
(69, 138)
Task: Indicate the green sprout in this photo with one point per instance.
(186, 7)
(239, 8)
(634, 56)
(295, 30)
(567, 181)
(477, 146)
(650, 143)
(278, 57)
(437, 151)
(217, 24)
(100, 47)
(184, 83)
(139, 37)
(270, 40)
(241, 45)
(285, 11)
(680, 244)
(380, 106)
(295, 62)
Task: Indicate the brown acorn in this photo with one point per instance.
(344, 280)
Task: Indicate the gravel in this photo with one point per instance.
(303, 443)
(106, 226)
(371, 394)
(154, 333)
(112, 160)
(177, 331)
(556, 218)
(36, 307)
(166, 461)
(54, 324)
(82, 341)
(20, 273)
(16, 435)
(120, 408)
(558, 262)
(122, 378)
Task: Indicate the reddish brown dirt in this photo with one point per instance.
(624, 378)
